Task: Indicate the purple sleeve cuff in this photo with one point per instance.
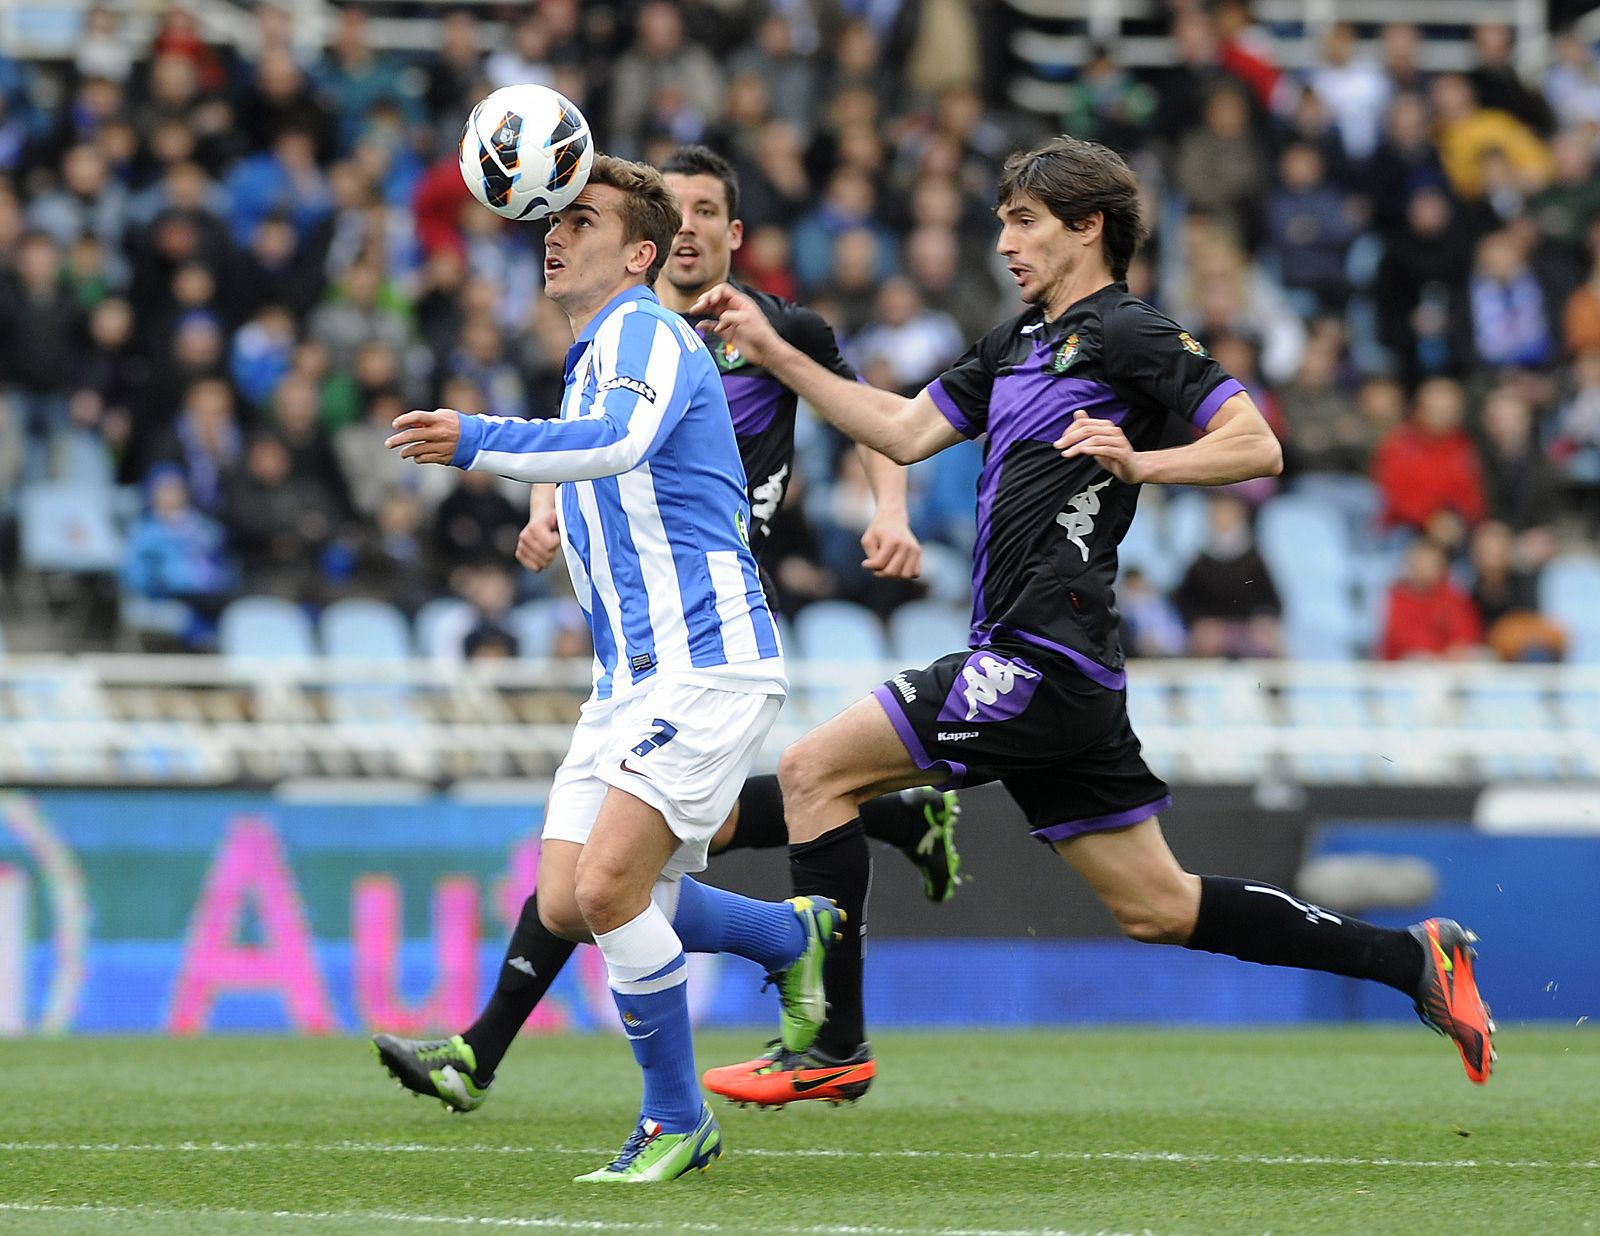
(953, 414)
(1201, 416)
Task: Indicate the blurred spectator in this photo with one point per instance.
(1355, 88)
(1323, 432)
(1429, 465)
(789, 75)
(390, 558)
(1520, 486)
(286, 180)
(526, 61)
(1245, 49)
(848, 205)
(1572, 82)
(1468, 131)
(490, 589)
(481, 359)
(1227, 598)
(456, 77)
(175, 553)
(662, 55)
(1106, 103)
(937, 42)
(281, 98)
(1310, 227)
(361, 310)
(1576, 445)
(477, 522)
(103, 49)
(41, 328)
(1421, 289)
(204, 442)
(1499, 85)
(1428, 616)
(1151, 626)
(773, 185)
(1506, 597)
(311, 452)
(263, 352)
(278, 522)
(1220, 168)
(859, 263)
(1509, 323)
(1567, 206)
(353, 77)
(87, 201)
(914, 342)
(1218, 291)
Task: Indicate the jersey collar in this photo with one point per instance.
(624, 297)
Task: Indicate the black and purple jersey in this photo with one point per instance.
(763, 407)
(1045, 563)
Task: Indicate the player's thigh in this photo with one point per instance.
(626, 852)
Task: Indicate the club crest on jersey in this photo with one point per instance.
(1065, 354)
(1190, 343)
(729, 357)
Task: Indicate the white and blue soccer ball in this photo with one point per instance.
(526, 151)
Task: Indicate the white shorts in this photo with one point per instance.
(682, 747)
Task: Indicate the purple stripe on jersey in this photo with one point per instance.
(990, 688)
(1098, 823)
(1112, 680)
(1036, 406)
(885, 696)
(1201, 416)
(953, 414)
(753, 401)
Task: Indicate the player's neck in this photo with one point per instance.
(680, 299)
(579, 316)
(1081, 283)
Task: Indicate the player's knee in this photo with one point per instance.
(600, 892)
(800, 776)
(1164, 915)
(560, 917)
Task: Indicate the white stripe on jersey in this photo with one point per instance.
(637, 490)
(605, 587)
(733, 607)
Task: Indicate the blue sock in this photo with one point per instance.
(654, 1004)
(713, 920)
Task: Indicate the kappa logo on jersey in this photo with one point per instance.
(1065, 354)
(768, 494)
(729, 357)
(1078, 518)
(1191, 343)
(623, 383)
(986, 678)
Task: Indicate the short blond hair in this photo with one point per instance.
(650, 210)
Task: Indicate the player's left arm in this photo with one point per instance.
(892, 549)
(1237, 444)
(1154, 363)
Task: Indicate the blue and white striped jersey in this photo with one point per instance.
(654, 517)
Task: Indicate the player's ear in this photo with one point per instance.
(644, 255)
(735, 234)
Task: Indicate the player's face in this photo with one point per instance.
(1041, 252)
(585, 254)
(702, 251)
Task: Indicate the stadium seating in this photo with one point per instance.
(922, 631)
(839, 631)
(265, 629)
(70, 528)
(1569, 593)
(534, 623)
(440, 626)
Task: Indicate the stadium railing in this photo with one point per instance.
(212, 721)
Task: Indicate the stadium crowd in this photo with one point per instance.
(225, 274)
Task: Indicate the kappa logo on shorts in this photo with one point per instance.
(1079, 519)
(990, 688)
(955, 735)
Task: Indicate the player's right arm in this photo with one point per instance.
(905, 430)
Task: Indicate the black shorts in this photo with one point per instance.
(1059, 742)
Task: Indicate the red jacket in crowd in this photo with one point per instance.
(1421, 474)
(1429, 622)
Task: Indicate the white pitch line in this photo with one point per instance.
(540, 1224)
(1051, 1156)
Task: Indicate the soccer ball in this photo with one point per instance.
(526, 151)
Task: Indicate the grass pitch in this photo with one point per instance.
(1329, 1131)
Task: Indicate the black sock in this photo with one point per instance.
(838, 865)
(1257, 922)
(761, 825)
(896, 818)
(533, 959)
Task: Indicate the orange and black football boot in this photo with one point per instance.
(778, 1077)
(1447, 995)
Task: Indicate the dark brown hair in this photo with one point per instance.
(703, 161)
(1074, 179)
(650, 210)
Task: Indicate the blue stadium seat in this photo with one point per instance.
(440, 626)
(534, 624)
(1184, 524)
(1300, 537)
(358, 628)
(64, 526)
(1569, 593)
(923, 631)
(265, 628)
(839, 631)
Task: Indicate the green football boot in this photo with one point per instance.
(650, 1155)
(935, 855)
(805, 1005)
(443, 1069)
